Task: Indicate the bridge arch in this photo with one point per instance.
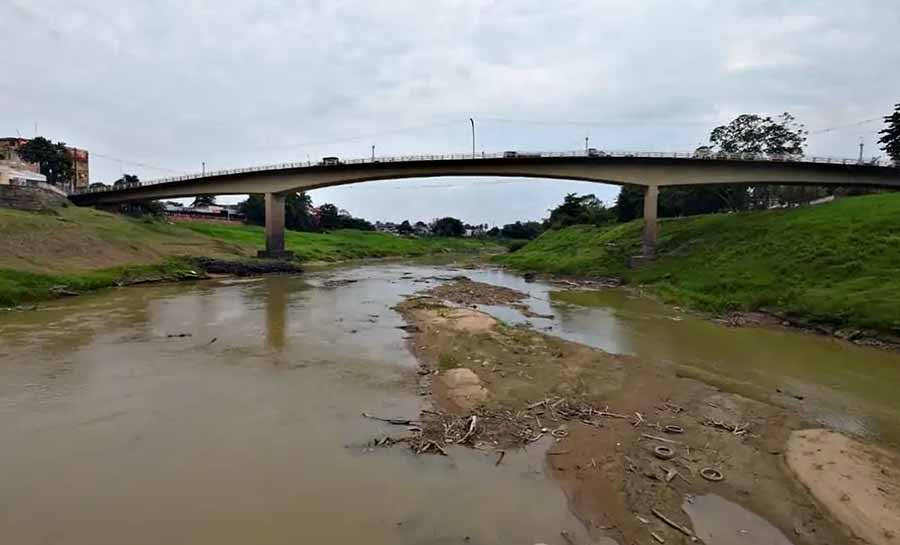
(651, 171)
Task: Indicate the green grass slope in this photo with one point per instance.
(80, 249)
(837, 263)
(342, 245)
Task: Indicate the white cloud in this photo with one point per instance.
(176, 83)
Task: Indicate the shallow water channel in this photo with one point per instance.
(229, 411)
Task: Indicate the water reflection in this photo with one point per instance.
(276, 312)
(254, 438)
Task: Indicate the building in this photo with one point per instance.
(217, 213)
(9, 155)
(12, 173)
(81, 176)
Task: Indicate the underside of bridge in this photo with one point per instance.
(275, 205)
(651, 173)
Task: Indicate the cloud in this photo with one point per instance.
(173, 84)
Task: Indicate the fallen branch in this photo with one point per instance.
(500, 459)
(661, 439)
(673, 524)
(394, 421)
(472, 422)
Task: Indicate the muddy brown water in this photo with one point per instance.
(248, 428)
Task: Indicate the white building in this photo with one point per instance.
(12, 172)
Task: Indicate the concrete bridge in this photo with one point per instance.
(648, 170)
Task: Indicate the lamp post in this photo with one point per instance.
(373, 153)
(472, 121)
(203, 168)
(585, 145)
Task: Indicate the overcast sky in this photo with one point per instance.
(167, 85)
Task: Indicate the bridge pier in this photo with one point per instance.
(651, 224)
(275, 228)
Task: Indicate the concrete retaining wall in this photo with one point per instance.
(29, 198)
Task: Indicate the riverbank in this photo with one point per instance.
(610, 420)
(832, 265)
(70, 250)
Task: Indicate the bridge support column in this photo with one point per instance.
(651, 225)
(275, 228)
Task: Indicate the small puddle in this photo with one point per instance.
(717, 521)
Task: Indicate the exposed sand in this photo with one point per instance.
(540, 385)
(858, 484)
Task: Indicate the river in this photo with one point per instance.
(229, 411)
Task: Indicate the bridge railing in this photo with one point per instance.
(590, 153)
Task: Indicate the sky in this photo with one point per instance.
(158, 88)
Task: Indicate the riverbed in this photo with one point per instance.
(229, 411)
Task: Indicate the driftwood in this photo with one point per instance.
(660, 439)
(394, 421)
(673, 524)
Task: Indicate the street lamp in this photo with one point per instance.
(585, 145)
(373, 153)
(203, 171)
(472, 121)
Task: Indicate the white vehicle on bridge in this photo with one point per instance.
(519, 154)
(328, 161)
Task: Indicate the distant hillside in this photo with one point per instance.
(837, 263)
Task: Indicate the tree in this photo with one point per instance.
(528, 230)
(329, 217)
(125, 180)
(448, 227)
(750, 133)
(253, 209)
(297, 216)
(298, 213)
(890, 135)
(53, 160)
(360, 224)
(404, 228)
(204, 201)
(575, 210)
(629, 203)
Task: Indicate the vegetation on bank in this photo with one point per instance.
(344, 244)
(71, 249)
(18, 287)
(836, 263)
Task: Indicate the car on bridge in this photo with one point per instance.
(519, 154)
(328, 161)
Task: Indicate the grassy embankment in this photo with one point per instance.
(81, 249)
(836, 264)
(340, 245)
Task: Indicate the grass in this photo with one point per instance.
(81, 249)
(342, 245)
(18, 287)
(837, 263)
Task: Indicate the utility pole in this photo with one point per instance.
(860, 148)
(472, 121)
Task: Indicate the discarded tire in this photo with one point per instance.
(664, 453)
(711, 474)
(672, 428)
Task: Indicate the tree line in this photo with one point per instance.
(751, 134)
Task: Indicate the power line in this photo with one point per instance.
(847, 126)
(608, 122)
(135, 163)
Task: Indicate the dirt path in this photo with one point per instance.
(500, 387)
